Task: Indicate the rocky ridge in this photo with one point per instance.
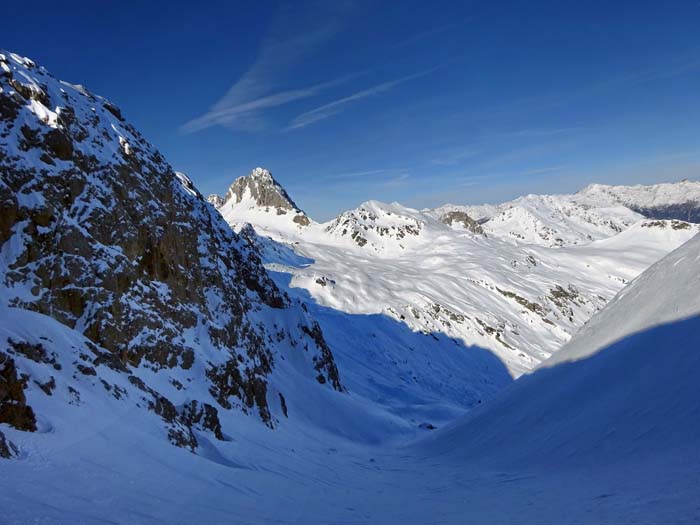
(100, 234)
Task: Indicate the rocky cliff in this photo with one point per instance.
(99, 233)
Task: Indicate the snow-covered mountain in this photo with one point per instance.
(680, 200)
(391, 228)
(258, 198)
(596, 212)
(558, 221)
(120, 285)
(440, 271)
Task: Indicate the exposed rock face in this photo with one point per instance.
(673, 224)
(301, 220)
(258, 192)
(203, 416)
(7, 448)
(460, 217)
(14, 410)
(262, 188)
(98, 232)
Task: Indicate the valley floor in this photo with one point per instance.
(311, 480)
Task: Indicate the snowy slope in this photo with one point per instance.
(480, 213)
(609, 439)
(623, 390)
(382, 228)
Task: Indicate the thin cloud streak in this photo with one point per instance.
(279, 52)
(227, 115)
(397, 181)
(333, 108)
(454, 158)
(365, 173)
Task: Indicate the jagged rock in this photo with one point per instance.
(114, 110)
(324, 362)
(13, 404)
(258, 195)
(673, 224)
(462, 218)
(262, 188)
(301, 220)
(203, 416)
(58, 144)
(7, 448)
(179, 432)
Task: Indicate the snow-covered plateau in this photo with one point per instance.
(164, 359)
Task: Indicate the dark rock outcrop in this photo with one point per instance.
(14, 410)
(7, 448)
(462, 218)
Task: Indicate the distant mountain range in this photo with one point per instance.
(518, 279)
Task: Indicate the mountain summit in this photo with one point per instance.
(258, 191)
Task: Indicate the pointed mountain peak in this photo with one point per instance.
(258, 198)
(262, 190)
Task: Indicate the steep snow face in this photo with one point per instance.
(259, 198)
(624, 390)
(98, 233)
(668, 291)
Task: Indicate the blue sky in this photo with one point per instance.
(417, 102)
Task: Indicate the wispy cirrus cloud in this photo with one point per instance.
(454, 157)
(333, 108)
(363, 174)
(379, 178)
(292, 35)
(234, 113)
